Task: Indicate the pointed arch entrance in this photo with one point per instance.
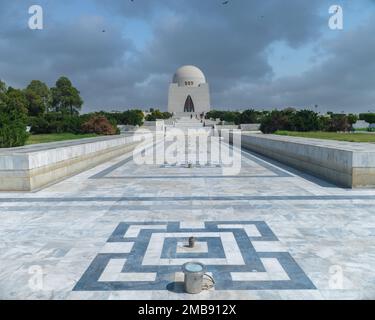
(189, 104)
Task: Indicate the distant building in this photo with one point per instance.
(189, 92)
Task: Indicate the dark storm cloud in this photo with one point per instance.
(76, 48)
(229, 42)
(345, 81)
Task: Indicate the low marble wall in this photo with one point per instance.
(157, 125)
(127, 128)
(345, 164)
(226, 127)
(32, 167)
(250, 127)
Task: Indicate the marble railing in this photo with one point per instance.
(345, 164)
(32, 167)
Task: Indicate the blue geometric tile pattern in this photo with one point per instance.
(240, 255)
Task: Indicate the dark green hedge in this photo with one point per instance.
(305, 120)
(157, 115)
(245, 117)
(13, 118)
(368, 117)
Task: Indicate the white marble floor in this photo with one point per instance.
(52, 237)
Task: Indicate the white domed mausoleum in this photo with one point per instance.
(189, 92)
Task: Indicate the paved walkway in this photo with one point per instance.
(119, 231)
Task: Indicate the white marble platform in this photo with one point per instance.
(60, 230)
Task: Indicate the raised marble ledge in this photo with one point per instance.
(39, 155)
(346, 164)
(30, 167)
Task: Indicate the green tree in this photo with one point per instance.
(151, 117)
(132, 117)
(249, 116)
(231, 117)
(13, 117)
(35, 105)
(65, 97)
(368, 117)
(215, 114)
(338, 122)
(3, 87)
(158, 115)
(277, 120)
(352, 119)
(38, 97)
(305, 120)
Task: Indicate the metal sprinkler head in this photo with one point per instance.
(191, 242)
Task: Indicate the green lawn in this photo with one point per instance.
(53, 137)
(352, 137)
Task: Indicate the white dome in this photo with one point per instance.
(189, 76)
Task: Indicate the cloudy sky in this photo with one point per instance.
(255, 53)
